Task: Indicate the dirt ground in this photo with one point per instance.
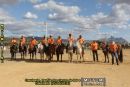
(14, 73)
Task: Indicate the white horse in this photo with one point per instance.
(70, 51)
(41, 51)
(79, 51)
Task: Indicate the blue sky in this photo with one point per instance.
(93, 19)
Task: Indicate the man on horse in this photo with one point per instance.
(22, 46)
(60, 48)
(13, 48)
(32, 47)
(51, 45)
(70, 47)
(13, 41)
(44, 41)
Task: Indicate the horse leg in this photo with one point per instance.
(14, 55)
(57, 56)
(30, 56)
(61, 57)
(77, 57)
(35, 53)
(11, 55)
(21, 55)
(69, 57)
(41, 55)
(80, 57)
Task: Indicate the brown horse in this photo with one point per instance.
(32, 51)
(13, 51)
(23, 51)
(60, 51)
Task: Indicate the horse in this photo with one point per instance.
(13, 51)
(70, 51)
(32, 52)
(23, 50)
(52, 50)
(60, 51)
(41, 51)
(79, 51)
(47, 52)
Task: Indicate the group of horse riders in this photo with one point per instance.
(49, 46)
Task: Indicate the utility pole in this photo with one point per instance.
(2, 42)
(45, 23)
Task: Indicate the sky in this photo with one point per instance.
(93, 19)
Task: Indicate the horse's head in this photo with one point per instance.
(78, 44)
(70, 44)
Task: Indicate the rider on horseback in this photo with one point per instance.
(33, 46)
(44, 41)
(22, 47)
(13, 48)
(81, 41)
(22, 41)
(51, 46)
(50, 40)
(70, 47)
(13, 41)
(80, 47)
(59, 48)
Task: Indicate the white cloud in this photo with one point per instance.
(4, 2)
(14, 27)
(30, 15)
(69, 14)
(35, 1)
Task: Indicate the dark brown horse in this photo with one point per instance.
(23, 51)
(60, 51)
(32, 51)
(49, 51)
(13, 51)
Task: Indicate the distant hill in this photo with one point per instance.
(116, 39)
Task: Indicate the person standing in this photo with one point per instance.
(120, 53)
(94, 47)
(105, 49)
(113, 50)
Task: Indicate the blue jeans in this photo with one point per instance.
(114, 55)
